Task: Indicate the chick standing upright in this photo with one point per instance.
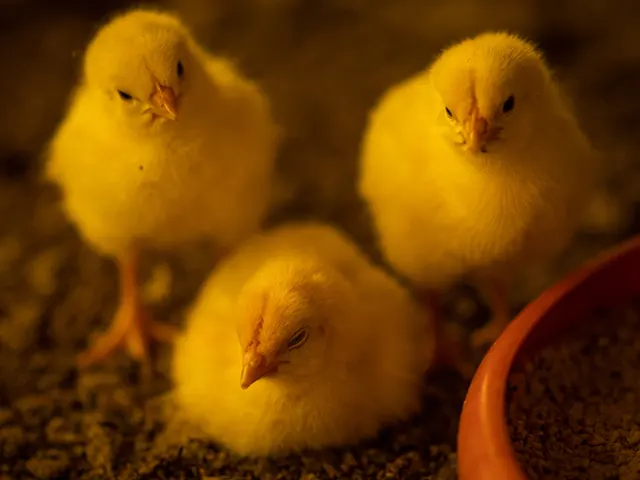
(297, 341)
(162, 144)
(476, 167)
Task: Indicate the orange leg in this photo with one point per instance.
(450, 349)
(497, 295)
(131, 327)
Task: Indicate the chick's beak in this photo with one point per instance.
(164, 101)
(477, 129)
(254, 367)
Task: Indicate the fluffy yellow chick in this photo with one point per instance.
(298, 342)
(475, 167)
(161, 144)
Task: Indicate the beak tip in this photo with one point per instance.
(164, 99)
(246, 382)
(254, 368)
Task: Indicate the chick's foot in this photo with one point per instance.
(132, 329)
(451, 350)
(488, 333)
(499, 302)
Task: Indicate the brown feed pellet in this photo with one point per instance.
(574, 410)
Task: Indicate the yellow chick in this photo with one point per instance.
(161, 144)
(298, 342)
(476, 167)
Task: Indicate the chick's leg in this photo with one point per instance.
(132, 326)
(450, 349)
(495, 291)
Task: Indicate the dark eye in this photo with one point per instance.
(124, 95)
(449, 114)
(180, 70)
(298, 339)
(509, 104)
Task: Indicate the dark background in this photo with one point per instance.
(323, 63)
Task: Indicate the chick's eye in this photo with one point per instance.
(449, 114)
(124, 95)
(180, 70)
(298, 339)
(509, 104)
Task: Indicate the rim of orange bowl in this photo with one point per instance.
(484, 445)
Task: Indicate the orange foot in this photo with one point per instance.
(488, 333)
(451, 350)
(132, 328)
(496, 294)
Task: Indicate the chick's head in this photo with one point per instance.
(142, 65)
(288, 317)
(495, 90)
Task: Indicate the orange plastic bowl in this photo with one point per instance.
(484, 447)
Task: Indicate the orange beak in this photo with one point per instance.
(164, 101)
(254, 367)
(477, 130)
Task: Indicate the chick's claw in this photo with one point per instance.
(488, 333)
(451, 351)
(496, 293)
(132, 328)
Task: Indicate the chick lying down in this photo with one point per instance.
(298, 342)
